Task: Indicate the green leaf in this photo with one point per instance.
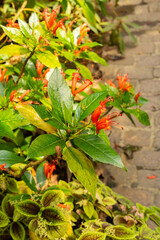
(61, 96)
(88, 209)
(44, 145)
(14, 34)
(121, 43)
(48, 59)
(12, 185)
(92, 235)
(33, 20)
(52, 197)
(104, 136)
(98, 149)
(84, 71)
(29, 180)
(120, 232)
(10, 158)
(6, 131)
(28, 208)
(88, 105)
(4, 220)
(93, 57)
(17, 231)
(140, 115)
(53, 216)
(82, 168)
(127, 29)
(13, 118)
(25, 29)
(7, 207)
(2, 90)
(13, 50)
(31, 115)
(40, 175)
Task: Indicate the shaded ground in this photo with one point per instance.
(142, 63)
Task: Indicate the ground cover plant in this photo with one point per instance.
(53, 123)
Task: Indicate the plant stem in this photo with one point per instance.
(31, 164)
(23, 67)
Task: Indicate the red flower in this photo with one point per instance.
(106, 123)
(137, 96)
(64, 206)
(152, 177)
(123, 83)
(83, 30)
(50, 17)
(100, 109)
(59, 24)
(12, 95)
(12, 24)
(49, 168)
(86, 83)
(2, 167)
(39, 67)
(75, 77)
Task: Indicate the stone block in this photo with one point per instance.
(156, 72)
(150, 87)
(150, 36)
(157, 120)
(140, 137)
(144, 197)
(146, 159)
(143, 180)
(157, 200)
(148, 61)
(156, 141)
(140, 49)
(153, 103)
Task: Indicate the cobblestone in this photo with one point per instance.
(137, 137)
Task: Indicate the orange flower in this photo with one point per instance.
(123, 83)
(137, 96)
(100, 109)
(106, 122)
(71, 23)
(83, 30)
(111, 84)
(64, 206)
(50, 17)
(2, 74)
(75, 77)
(86, 83)
(12, 24)
(12, 95)
(49, 168)
(39, 67)
(2, 167)
(152, 177)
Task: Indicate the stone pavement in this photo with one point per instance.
(142, 63)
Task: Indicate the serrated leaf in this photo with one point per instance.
(28, 208)
(92, 235)
(31, 115)
(6, 131)
(140, 115)
(4, 220)
(98, 149)
(14, 34)
(12, 185)
(52, 197)
(61, 96)
(13, 50)
(82, 168)
(48, 59)
(53, 216)
(7, 207)
(120, 232)
(109, 201)
(44, 145)
(88, 105)
(10, 158)
(57, 231)
(84, 71)
(17, 231)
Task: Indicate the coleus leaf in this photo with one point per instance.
(120, 232)
(28, 208)
(7, 207)
(4, 220)
(53, 216)
(93, 235)
(17, 231)
(52, 197)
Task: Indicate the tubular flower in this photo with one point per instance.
(39, 67)
(137, 96)
(59, 24)
(82, 49)
(75, 77)
(61, 205)
(100, 109)
(12, 95)
(123, 83)
(71, 23)
(19, 100)
(86, 83)
(2, 167)
(106, 122)
(2, 74)
(83, 30)
(111, 84)
(50, 17)
(48, 169)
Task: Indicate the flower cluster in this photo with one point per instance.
(49, 168)
(123, 83)
(2, 75)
